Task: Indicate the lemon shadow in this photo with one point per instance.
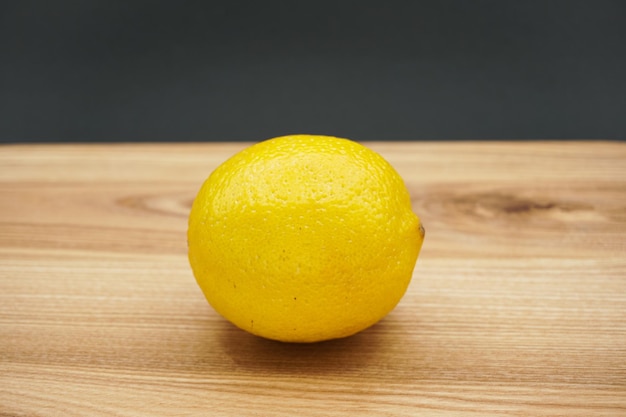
(358, 353)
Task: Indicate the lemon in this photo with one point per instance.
(304, 238)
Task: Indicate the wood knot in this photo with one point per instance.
(512, 208)
(165, 205)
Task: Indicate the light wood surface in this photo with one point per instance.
(517, 305)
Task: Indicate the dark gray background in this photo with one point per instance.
(368, 70)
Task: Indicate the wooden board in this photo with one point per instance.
(517, 306)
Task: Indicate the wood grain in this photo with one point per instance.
(517, 306)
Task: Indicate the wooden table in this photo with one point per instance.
(517, 305)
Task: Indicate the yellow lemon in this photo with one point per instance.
(304, 238)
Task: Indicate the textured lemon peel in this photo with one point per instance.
(304, 238)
